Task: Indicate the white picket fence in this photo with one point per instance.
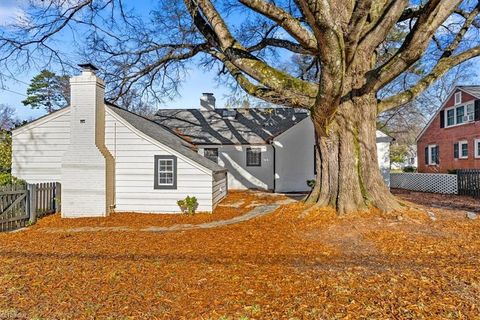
(425, 182)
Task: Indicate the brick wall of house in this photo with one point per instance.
(445, 138)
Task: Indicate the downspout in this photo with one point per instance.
(274, 165)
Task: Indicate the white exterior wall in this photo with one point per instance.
(294, 154)
(134, 173)
(37, 149)
(37, 157)
(241, 177)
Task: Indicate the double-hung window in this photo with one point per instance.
(254, 157)
(477, 148)
(211, 153)
(431, 155)
(460, 112)
(165, 172)
(463, 149)
(450, 117)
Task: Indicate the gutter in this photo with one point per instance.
(274, 165)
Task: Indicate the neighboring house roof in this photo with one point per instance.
(164, 136)
(472, 90)
(248, 126)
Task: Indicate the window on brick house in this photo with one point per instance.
(477, 148)
(432, 155)
(463, 149)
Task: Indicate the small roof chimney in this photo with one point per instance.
(207, 101)
(88, 67)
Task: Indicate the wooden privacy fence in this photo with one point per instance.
(469, 182)
(23, 204)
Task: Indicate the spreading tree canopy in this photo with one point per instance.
(332, 57)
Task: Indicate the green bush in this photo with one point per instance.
(452, 171)
(409, 169)
(188, 205)
(8, 179)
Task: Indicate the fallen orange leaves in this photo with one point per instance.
(277, 266)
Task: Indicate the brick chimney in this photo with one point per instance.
(87, 165)
(207, 101)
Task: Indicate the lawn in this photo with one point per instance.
(284, 265)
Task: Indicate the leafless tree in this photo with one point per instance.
(7, 117)
(346, 53)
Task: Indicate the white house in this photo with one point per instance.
(272, 149)
(109, 159)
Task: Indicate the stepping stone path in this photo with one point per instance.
(254, 213)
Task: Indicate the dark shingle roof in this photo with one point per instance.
(164, 136)
(248, 126)
(473, 90)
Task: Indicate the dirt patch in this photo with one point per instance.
(434, 200)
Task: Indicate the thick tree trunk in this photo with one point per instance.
(348, 175)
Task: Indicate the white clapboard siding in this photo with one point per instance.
(37, 150)
(134, 173)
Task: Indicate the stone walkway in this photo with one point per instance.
(254, 213)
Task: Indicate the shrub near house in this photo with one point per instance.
(451, 140)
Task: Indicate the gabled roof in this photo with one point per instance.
(472, 90)
(164, 136)
(248, 126)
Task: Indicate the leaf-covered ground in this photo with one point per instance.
(278, 266)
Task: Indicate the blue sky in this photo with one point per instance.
(198, 80)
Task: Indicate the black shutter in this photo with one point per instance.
(437, 152)
(477, 110)
(455, 150)
(442, 119)
(426, 155)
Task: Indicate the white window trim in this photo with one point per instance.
(454, 108)
(459, 96)
(166, 171)
(460, 143)
(430, 147)
(477, 149)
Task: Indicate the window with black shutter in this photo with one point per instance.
(432, 155)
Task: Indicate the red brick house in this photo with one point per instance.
(451, 139)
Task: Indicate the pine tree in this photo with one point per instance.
(48, 90)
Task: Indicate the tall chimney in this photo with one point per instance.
(207, 101)
(87, 165)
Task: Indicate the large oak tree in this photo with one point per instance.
(331, 57)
